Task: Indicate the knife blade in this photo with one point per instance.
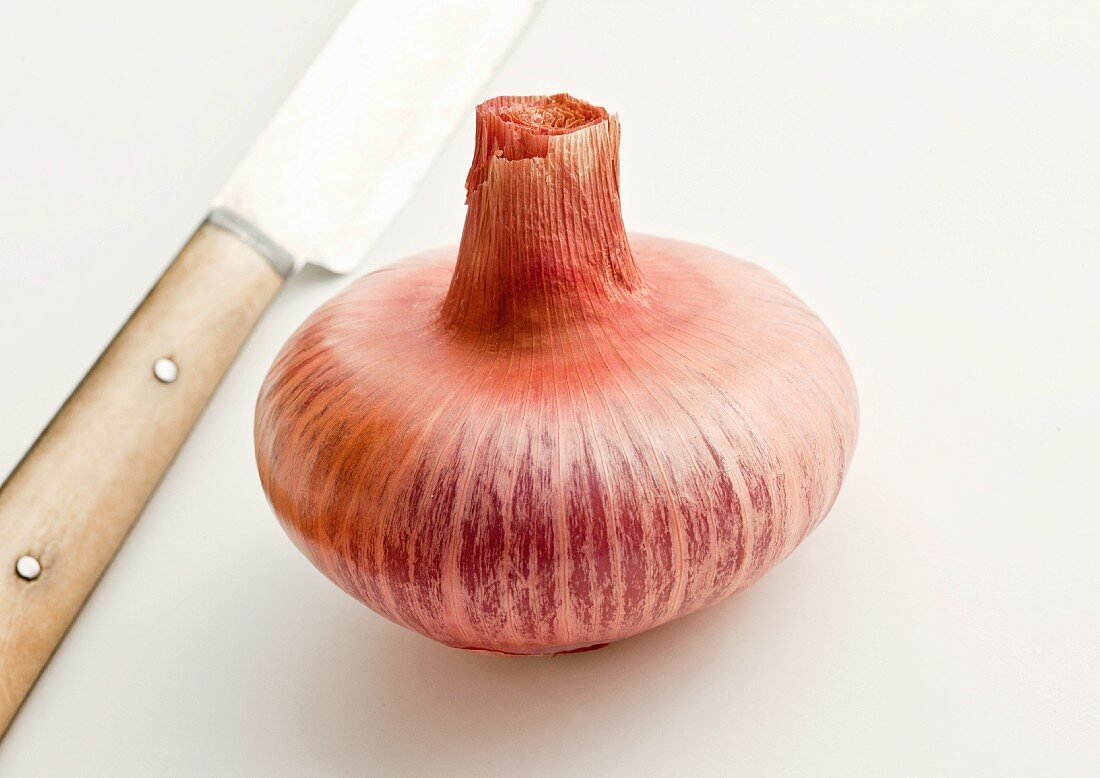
(362, 128)
(322, 182)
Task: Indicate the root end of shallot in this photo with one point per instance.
(496, 652)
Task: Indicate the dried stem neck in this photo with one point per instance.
(544, 244)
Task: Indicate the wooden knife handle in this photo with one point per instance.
(71, 500)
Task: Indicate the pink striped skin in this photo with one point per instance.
(566, 434)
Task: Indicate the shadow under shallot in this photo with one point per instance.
(343, 691)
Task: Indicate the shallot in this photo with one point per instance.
(559, 434)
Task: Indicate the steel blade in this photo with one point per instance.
(346, 150)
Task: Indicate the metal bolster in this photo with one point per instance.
(225, 219)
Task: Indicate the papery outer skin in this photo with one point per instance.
(576, 436)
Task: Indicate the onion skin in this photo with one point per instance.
(564, 434)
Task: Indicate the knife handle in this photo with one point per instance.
(69, 503)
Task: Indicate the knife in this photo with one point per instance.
(324, 179)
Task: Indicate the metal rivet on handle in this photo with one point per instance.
(165, 370)
(27, 567)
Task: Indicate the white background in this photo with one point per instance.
(927, 176)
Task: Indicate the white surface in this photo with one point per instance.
(926, 176)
